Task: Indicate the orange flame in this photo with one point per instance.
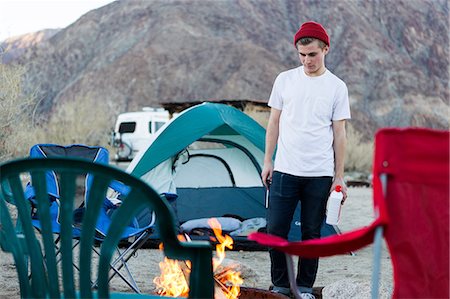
(173, 280)
(224, 242)
(231, 278)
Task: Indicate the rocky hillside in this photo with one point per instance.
(393, 56)
(12, 48)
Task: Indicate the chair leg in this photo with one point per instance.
(137, 244)
(59, 257)
(124, 264)
(291, 275)
(377, 248)
(376, 262)
(58, 251)
(123, 258)
(117, 271)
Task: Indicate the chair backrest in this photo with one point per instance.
(96, 154)
(26, 245)
(415, 165)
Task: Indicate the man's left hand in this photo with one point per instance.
(340, 181)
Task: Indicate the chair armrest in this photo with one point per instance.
(328, 246)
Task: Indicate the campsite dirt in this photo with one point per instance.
(337, 274)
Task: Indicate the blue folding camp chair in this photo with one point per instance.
(138, 230)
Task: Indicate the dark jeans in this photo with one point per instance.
(285, 193)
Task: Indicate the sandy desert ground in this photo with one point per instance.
(344, 276)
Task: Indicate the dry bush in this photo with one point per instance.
(260, 115)
(82, 121)
(359, 154)
(15, 111)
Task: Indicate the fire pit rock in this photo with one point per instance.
(252, 293)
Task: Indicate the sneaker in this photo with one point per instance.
(307, 296)
(280, 290)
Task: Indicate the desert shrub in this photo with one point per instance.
(15, 111)
(80, 121)
(260, 115)
(359, 154)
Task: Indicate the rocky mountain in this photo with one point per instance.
(14, 47)
(393, 55)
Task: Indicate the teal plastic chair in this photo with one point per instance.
(50, 281)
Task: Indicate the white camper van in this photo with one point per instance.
(133, 131)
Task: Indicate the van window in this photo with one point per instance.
(158, 125)
(127, 127)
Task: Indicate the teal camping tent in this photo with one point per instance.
(211, 156)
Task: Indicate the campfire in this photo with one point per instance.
(174, 277)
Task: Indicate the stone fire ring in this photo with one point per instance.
(252, 293)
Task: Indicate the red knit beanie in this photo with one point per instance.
(312, 29)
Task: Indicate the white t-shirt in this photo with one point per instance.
(309, 105)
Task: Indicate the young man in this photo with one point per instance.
(309, 106)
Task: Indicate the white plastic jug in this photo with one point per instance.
(334, 206)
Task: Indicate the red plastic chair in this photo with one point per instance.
(411, 204)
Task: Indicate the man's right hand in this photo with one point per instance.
(266, 174)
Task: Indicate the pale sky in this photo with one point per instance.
(23, 16)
